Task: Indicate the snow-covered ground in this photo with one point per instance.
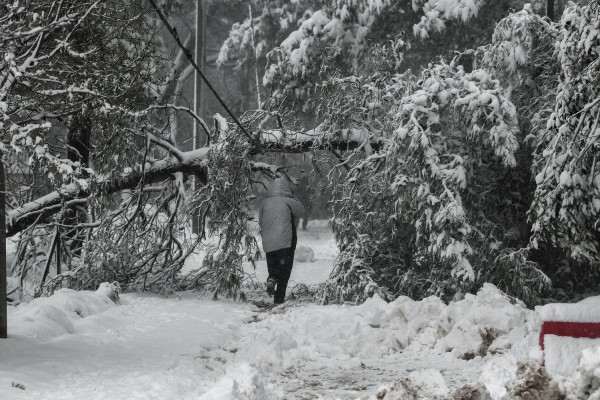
(82, 345)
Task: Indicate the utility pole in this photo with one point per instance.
(3, 306)
(259, 105)
(200, 59)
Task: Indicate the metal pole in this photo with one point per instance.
(255, 57)
(199, 58)
(3, 305)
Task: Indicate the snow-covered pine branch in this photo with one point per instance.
(300, 41)
(566, 204)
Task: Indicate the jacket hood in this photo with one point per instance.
(279, 187)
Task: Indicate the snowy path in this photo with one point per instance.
(327, 352)
(147, 348)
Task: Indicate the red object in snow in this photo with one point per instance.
(572, 329)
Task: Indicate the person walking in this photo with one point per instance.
(303, 195)
(276, 216)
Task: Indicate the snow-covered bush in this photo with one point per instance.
(457, 170)
(436, 197)
(418, 203)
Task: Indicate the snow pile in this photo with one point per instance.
(45, 318)
(304, 254)
(425, 384)
(488, 322)
(585, 382)
(241, 382)
(429, 382)
(498, 373)
(587, 310)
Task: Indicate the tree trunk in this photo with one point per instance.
(78, 150)
(3, 308)
(550, 12)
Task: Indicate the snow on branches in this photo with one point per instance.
(78, 88)
(515, 37)
(224, 208)
(307, 40)
(32, 36)
(444, 130)
(59, 69)
(267, 27)
(438, 11)
(411, 218)
(566, 205)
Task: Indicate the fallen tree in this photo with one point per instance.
(189, 163)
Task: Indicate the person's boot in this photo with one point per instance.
(271, 286)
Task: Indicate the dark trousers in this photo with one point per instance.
(304, 218)
(279, 264)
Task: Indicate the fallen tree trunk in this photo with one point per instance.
(192, 162)
(39, 210)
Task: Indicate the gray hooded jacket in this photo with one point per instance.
(276, 217)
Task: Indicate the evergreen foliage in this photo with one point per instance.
(566, 204)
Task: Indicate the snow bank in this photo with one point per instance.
(585, 382)
(45, 318)
(489, 321)
(484, 345)
(242, 382)
(562, 354)
(304, 254)
(587, 310)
